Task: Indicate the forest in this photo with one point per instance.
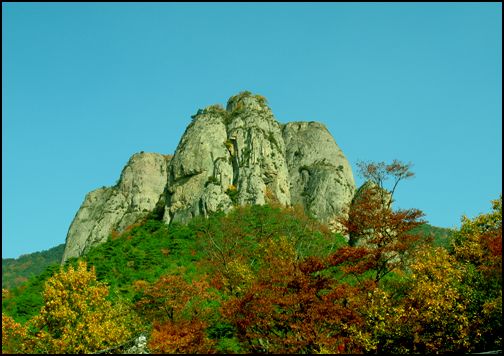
(270, 279)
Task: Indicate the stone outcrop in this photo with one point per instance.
(104, 210)
(240, 155)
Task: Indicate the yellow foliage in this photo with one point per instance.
(434, 305)
(76, 317)
(468, 245)
(238, 276)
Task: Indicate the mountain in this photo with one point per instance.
(229, 157)
(16, 271)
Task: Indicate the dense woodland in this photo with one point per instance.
(16, 271)
(269, 279)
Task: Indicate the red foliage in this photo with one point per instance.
(491, 242)
(372, 223)
(291, 308)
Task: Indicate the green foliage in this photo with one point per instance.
(215, 109)
(19, 270)
(229, 345)
(440, 236)
(25, 301)
(145, 252)
(212, 180)
(244, 94)
(232, 192)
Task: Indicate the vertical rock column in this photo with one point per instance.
(259, 166)
(201, 170)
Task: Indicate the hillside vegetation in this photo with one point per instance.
(266, 279)
(16, 271)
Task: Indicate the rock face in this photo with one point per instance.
(200, 170)
(259, 151)
(104, 210)
(235, 156)
(320, 176)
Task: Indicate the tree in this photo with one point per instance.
(479, 241)
(477, 246)
(171, 298)
(292, 308)
(183, 337)
(77, 317)
(233, 243)
(380, 172)
(229, 248)
(382, 235)
(428, 317)
(435, 310)
(178, 312)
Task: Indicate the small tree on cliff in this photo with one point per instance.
(380, 172)
(382, 234)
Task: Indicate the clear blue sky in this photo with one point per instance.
(86, 85)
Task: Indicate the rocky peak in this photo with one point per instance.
(247, 101)
(201, 170)
(226, 157)
(375, 192)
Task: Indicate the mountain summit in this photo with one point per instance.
(240, 155)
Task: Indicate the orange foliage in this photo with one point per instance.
(373, 224)
(14, 336)
(171, 298)
(187, 336)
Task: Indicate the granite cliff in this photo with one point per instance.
(233, 156)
